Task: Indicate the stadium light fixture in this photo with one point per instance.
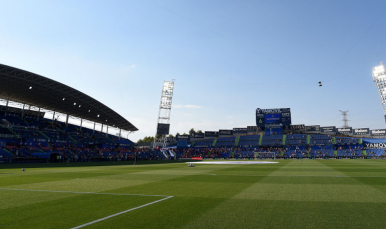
(379, 77)
(89, 110)
(30, 87)
(80, 105)
(64, 99)
(98, 116)
(74, 104)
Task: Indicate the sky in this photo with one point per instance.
(227, 57)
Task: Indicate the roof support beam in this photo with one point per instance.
(22, 111)
(38, 115)
(67, 120)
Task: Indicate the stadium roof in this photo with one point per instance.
(35, 90)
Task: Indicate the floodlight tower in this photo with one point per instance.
(345, 120)
(163, 121)
(379, 77)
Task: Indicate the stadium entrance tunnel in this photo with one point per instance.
(55, 157)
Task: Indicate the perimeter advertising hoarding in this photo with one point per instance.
(361, 131)
(342, 130)
(315, 128)
(328, 129)
(240, 130)
(251, 129)
(198, 135)
(379, 132)
(163, 129)
(225, 132)
(182, 137)
(299, 127)
(273, 116)
(211, 134)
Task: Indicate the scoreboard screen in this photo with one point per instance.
(273, 116)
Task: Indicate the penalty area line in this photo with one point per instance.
(120, 213)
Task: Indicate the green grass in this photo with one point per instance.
(290, 194)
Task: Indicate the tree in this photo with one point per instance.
(146, 139)
(199, 132)
(177, 133)
(192, 131)
(171, 135)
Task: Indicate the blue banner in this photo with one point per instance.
(379, 143)
(272, 118)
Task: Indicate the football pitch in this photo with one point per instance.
(288, 194)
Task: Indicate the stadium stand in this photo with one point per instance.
(225, 142)
(272, 140)
(26, 136)
(249, 140)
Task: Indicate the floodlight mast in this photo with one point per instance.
(379, 77)
(164, 112)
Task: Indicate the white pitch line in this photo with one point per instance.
(120, 213)
(98, 193)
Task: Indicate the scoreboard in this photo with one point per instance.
(273, 116)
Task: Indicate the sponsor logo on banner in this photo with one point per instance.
(374, 145)
(225, 132)
(182, 137)
(327, 129)
(361, 131)
(273, 111)
(298, 127)
(211, 134)
(381, 132)
(240, 130)
(198, 135)
(314, 128)
(347, 130)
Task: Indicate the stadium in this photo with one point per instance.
(267, 117)
(73, 176)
